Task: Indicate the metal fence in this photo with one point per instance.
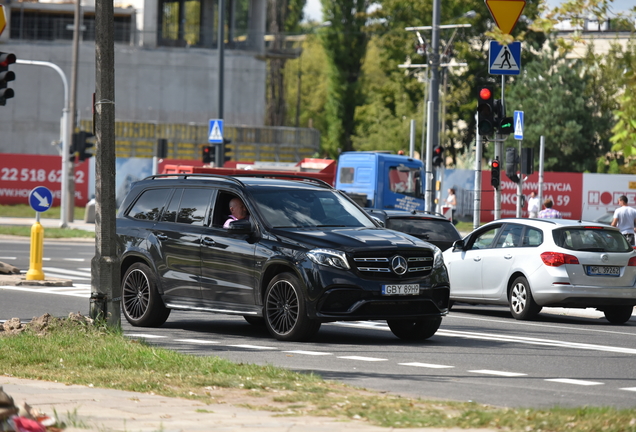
(186, 141)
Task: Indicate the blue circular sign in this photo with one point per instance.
(40, 199)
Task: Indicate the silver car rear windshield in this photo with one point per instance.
(306, 208)
(591, 239)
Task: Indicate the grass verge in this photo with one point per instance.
(77, 352)
(25, 211)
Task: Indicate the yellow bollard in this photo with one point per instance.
(37, 251)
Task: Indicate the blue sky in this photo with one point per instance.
(313, 12)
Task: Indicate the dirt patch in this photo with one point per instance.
(40, 325)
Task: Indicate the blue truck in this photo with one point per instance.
(387, 180)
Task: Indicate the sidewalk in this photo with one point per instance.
(103, 410)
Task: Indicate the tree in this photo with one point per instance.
(561, 103)
(345, 43)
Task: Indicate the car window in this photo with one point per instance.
(427, 229)
(194, 206)
(484, 239)
(404, 180)
(170, 214)
(510, 236)
(591, 239)
(303, 208)
(149, 205)
(532, 237)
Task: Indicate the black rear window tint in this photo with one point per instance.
(591, 239)
(149, 205)
(428, 229)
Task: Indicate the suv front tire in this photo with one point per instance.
(141, 302)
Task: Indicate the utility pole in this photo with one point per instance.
(73, 108)
(105, 265)
(219, 148)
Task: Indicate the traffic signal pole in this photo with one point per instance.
(65, 137)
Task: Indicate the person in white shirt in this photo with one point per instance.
(533, 205)
(624, 218)
(237, 210)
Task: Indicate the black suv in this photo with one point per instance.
(305, 255)
(431, 227)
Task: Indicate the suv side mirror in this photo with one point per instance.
(378, 221)
(241, 226)
(458, 245)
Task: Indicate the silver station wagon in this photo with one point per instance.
(529, 264)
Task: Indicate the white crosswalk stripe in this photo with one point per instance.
(80, 287)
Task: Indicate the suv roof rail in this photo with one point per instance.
(233, 178)
(315, 180)
(184, 176)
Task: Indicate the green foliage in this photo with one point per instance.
(563, 102)
(345, 43)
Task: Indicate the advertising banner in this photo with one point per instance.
(20, 173)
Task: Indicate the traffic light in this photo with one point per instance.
(485, 111)
(162, 148)
(438, 153)
(80, 145)
(6, 75)
(511, 164)
(494, 173)
(505, 126)
(226, 150)
(208, 155)
(527, 160)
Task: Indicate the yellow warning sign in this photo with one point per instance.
(3, 20)
(506, 13)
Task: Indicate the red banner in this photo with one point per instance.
(21, 173)
(564, 189)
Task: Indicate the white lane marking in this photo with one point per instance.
(67, 291)
(8, 258)
(629, 389)
(535, 341)
(575, 381)
(529, 324)
(369, 359)
(498, 373)
(506, 338)
(257, 347)
(197, 341)
(86, 269)
(426, 365)
(65, 271)
(74, 259)
(144, 335)
(312, 353)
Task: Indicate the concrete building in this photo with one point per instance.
(166, 66)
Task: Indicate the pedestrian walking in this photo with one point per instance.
(533, 205)
(624, 217)
(548, 212)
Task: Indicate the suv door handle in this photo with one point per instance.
(162, 237)
(208, 241)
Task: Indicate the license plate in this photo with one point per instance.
(603, 271)
(411, 289)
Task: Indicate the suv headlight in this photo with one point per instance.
(438, 258)
(329, 257)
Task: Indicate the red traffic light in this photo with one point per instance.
(485, 93)
(495, 164)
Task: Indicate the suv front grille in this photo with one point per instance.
(419, 263)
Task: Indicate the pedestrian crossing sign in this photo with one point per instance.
(215, 132)
(504, 59)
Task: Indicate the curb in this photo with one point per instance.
(20, 280)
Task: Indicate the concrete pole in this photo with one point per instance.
(435, 64)
(221, 47)
(520, 188)
(428, 196)
(412, 140)
(65, 135)
(105, 265)
(477, 195)
(73, 105)
(541, 156)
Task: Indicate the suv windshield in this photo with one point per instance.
(427, 229)
(591, 239)
(303, 208)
